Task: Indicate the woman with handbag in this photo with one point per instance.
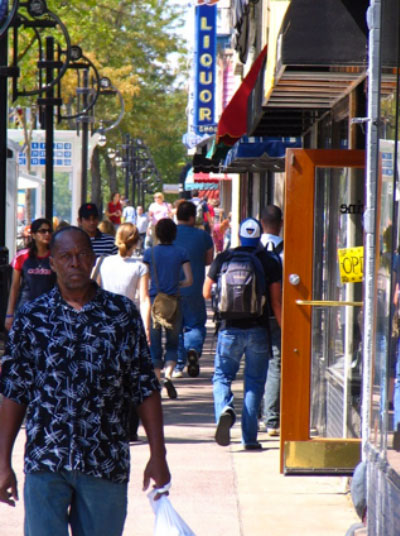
(126, 275)
(166, 262)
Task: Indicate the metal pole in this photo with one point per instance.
(128, 164)
(3, 134)
(85, 137)
(49, 126)
(134, 166)
(374, 78)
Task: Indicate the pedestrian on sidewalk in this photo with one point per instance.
(76, 357)
(126, 275)
(32, 275)
(88, 220)
(199, 246)
(247, 279)
(114, 209)
(166, 261)
(128, 212)
(142, 223)
(158, 210)
(271, 221)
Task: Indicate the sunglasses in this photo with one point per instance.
(44, 231)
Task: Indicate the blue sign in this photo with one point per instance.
(3, 9)
(205, 69)
(62, 156)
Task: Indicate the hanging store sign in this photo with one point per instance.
(351, 264)
(205, 69)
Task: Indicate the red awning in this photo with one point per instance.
(233, 121)
(211, 177)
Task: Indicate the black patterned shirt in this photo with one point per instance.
(77, 372)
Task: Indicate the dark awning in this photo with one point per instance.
(252, 154)
(321, 57)
(205, 165)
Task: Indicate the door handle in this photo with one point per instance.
(329, 303)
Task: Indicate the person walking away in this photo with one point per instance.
(158, 210)
(272, 221)
(88, 219)
(75, 359)
(114, 209)
(247, 280)
(199, 246)
(125, 275)
(32, 275)
(218, 234)
(142, 223)
(202, 212)
(165, 262)
(106, 227)
(128, 212)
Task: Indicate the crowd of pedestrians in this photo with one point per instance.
(126, 299)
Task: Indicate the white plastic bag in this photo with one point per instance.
(168, 522)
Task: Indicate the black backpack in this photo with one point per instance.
(241, 287)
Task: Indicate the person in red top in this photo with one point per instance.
(114, 209)
(32, 275)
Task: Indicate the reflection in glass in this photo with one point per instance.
(336, 331)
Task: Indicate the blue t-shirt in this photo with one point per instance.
(196, 242)
(169, 259)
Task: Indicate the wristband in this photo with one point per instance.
(9, 316)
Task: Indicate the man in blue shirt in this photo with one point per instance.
(200, 247)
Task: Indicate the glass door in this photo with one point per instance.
(322, 312)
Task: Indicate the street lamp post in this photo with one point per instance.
(39, 17)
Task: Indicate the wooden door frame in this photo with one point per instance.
(296, 322)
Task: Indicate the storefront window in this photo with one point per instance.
(336, 328)
(385, 408)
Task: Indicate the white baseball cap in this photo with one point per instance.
(250, 232)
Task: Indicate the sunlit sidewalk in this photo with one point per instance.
(220, 491)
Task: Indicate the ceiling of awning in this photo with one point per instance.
(321, 58)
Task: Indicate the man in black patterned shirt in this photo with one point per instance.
(76, 358)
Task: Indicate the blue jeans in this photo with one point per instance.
(193, 332)
(272, 393)
(171, 344)
(91, 506)
(396, 394)
(232, 344)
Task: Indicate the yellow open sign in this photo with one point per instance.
(351, 264)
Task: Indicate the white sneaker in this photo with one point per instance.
(177, 374)
(273, 432)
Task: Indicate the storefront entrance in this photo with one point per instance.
(322, 312)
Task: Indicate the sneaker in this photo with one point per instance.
(273, 432)
(171, 391)
(223, 431)
(193, 363)
(177, 374)
(253, 446)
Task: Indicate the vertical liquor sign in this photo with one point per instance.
(205, 69)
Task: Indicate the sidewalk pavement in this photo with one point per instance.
(220, 491)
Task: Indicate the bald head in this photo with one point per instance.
(59, 235)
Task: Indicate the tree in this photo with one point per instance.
(131, 42)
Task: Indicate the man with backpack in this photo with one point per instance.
(271, 221)
(202, 220)
(248, 279)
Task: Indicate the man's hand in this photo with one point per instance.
(157, 470)
(8, 487)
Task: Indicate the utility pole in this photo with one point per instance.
(3, 132)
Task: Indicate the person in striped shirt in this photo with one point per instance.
(88, 219)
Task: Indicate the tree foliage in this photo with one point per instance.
(131, 42)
